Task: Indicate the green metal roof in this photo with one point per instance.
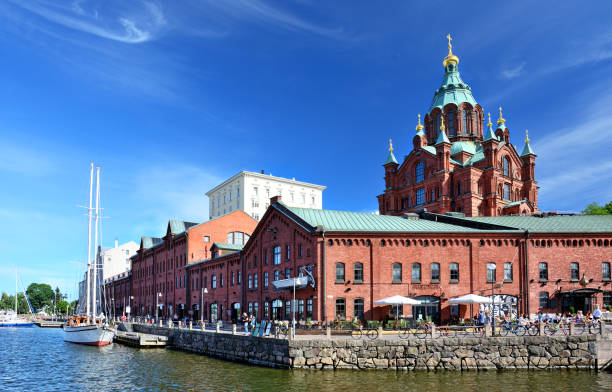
(490, 134)
(554, 223)
(469, 147)
(527, 150)
(149, 242)
(442, 138)
(226, 246)
(452, 90)
(391, 158)
(430, 149)
(344, 221)
(177, 227)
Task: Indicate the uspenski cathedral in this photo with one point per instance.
(459, 164)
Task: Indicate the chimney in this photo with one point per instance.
(116, 242)
(275, 199)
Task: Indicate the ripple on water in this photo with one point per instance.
(38, 359)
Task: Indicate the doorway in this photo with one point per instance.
(429, 309)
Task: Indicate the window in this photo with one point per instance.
(420, 172)
(255, 281)
(340, 308)
(255, 190)
(605, 271)
(266, 279)
(287, 310)
(491, 272)
(268, 193)
(250, 280)
(543, 268)
(358, 273)
(607, 298)
(250, 308)
(288, 252)
(255, 203)
(432, 195)
(313, 200)
(266, 313)
(507, 272)
(287, 273)
(435, 272)
(397, 272)
(239, 277)
(416, 272)
(233, 278)
(506, 164)
(230, 195)
(300, 249)
(221, 280)
(358, 308)
(214, 281)
(276, 275)
(265, 257)
(574, 271)
(206, 238)
(543, 300)
(238, 238)
(277, 255)
(451, 124)
(396, 310)
(340, 272)
(507, 192)
(300, 312)
(464, 116)
(420, 196)
(309, 307)
(230, 238)
(255, 309)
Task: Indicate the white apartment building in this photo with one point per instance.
(117, 260)
(251, 193)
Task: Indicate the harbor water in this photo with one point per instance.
(38, 359)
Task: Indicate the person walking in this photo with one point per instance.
(245, 322)
(597, 313)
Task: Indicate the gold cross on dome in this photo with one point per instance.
(526, 136)
(390, 145)
(449, 42)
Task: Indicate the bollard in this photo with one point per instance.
(328, 332)
(218, 328)
(190, 325)
(233, 329)
(602, 327)
(433, 331)
(488, 330)
(572, 328)
(161, 323)
(541, 328)
(290, 334)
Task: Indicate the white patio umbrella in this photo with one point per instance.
(397, 300)
(470, 299)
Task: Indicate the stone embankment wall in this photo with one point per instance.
(527, 352)
(267, 352)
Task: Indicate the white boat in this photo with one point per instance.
(9, 318)
(91, 329)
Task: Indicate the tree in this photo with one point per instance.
(596, 209)
(40, 294)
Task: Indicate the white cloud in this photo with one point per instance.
(127, 22)
(511, 73)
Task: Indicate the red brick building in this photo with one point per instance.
(159, 269)
(457, 164)
(543, 262)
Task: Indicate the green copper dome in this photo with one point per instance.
(453, 89)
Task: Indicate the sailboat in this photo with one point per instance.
(91, 328)
(9, 318)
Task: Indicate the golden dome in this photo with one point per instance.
(501, 119)
(419, 126)
(450, 58)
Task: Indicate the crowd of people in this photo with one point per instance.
(485, 317)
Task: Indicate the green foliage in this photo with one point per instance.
(596, 209)
(7, 302)
(40, 294)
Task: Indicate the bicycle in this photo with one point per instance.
(423, 331)
(512, 328)
(370, 333)
(552, 327)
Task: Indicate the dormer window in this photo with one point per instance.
(420, 172)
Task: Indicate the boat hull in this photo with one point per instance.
(16, 325)
(91, 335)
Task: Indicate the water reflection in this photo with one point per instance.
(38, 359)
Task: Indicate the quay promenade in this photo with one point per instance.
(437, 352)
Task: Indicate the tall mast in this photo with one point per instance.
(96, 252)
(89, 243)
(15, 290)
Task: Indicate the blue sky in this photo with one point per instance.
(172, 97)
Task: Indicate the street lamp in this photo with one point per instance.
(204, 291)
(491, 267)
(129, 308)
(157, 305)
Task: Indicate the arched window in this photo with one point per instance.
(435, 272)
(358, 308)
(434, 134)
(454, 272)
(358, 273)
(416, 273)
(340, 272)
(450, 115)
(506, 164)
(397, 273)
(420, 172)
(340, 308)
(543, 300)
(543, 268)
(574, 271)
(464, 117)
(491, 268)
(605, 271)
(507, 193)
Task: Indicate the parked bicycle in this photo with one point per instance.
(554, 327)
(512, 328)
(358, 332)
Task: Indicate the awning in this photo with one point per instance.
(397, 300)
(584, 291)
(470, 299)
(299, 283)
